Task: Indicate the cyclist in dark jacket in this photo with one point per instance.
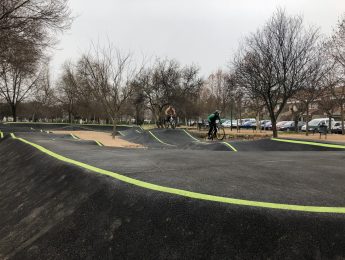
(212, 122)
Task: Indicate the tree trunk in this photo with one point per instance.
(296, 123)
(258, 122)
(274, 127)
(307, 122)
(231, 117)
(239, 126)
(69, 117)
(114, 129)
(342, 118)
(14, 112)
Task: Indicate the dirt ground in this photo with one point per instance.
(330, 137)
(105, 138)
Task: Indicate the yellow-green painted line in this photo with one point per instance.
(121, 133)
(191, 135)
(99, 143)
(196, 140)
(159, 140)
(229, 145)
(74, 136)
(309, 143)
(185, 193)
(1, 135)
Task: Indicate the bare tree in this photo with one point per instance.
(274, 62)
(217, 82)
(33, 20)
(232, 87)
(318, 80)
(160, 83)
(27, 27)
(18, 76)
(108, 75)
(327, 106)
(188, 92)
(43, 95)
(67, 87)
(336, 47)
(338, 94)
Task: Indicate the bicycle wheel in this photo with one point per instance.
(220, 133)
(173, 124)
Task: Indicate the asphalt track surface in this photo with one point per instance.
(56, 210)
(171, 139)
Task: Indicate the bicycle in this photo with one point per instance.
(218, 132)
(171, 122)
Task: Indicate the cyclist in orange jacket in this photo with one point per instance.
(170, 112)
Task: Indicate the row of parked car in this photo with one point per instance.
(313, 125)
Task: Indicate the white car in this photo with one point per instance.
(227, 123)
(336, 129)
(313, 125)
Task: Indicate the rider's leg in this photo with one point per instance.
(167, 121)
(210, 130)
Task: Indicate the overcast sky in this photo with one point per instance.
(203, 32)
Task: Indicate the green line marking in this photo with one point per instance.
(191, 135)
(99, 143)
(197, 140)
(159, 140)
(121, 133)
(75, 137)
(309, 143)
(185, 193)
(1, 135)
(229, 145)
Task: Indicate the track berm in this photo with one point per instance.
(51, 209)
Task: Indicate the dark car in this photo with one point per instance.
(266, 125)
(249, 125)
(290, 126)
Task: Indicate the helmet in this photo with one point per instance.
(217, 112)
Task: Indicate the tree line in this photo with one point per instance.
(283, 64)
